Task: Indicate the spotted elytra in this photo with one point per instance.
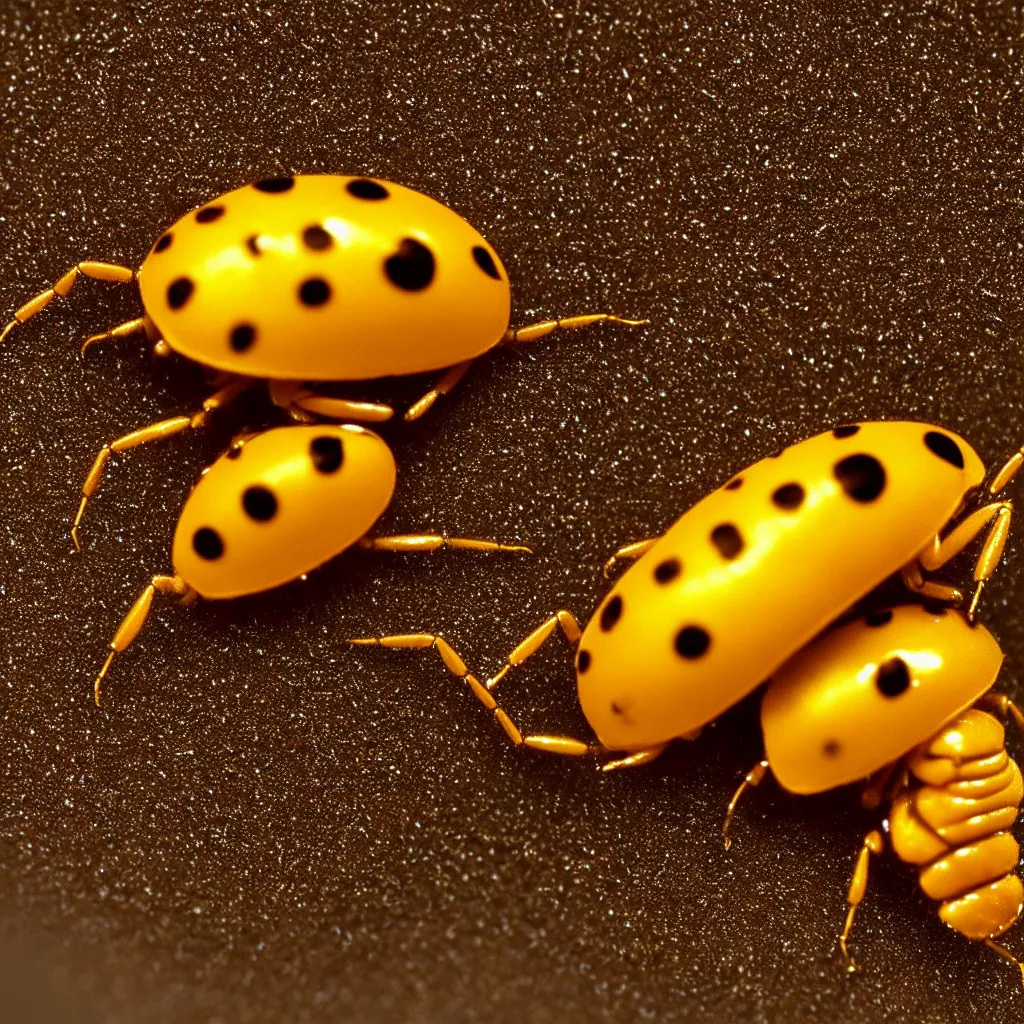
(273, 507)
(752, 572)
(310, 279)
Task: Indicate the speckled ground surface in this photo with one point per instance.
(820, 213)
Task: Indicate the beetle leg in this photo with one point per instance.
(534, 331)
(342, 409)
(915, 582)
(753, 778)
(564, 620)
(457, 667)
(136, 619)
(442, 387)
(1003, 706)
(87, 268)
(434, 542)
(1007, 472)
(1006, 955)
(153, 432)
(628, 553)
(635, 760)
(858, 887)
(142, 323)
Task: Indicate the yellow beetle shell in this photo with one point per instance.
(865, 694)
(325, 277)
(280, 505)
(751, 573)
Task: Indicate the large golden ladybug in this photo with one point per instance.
(307, 279)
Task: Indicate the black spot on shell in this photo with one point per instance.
(831, 748)
(727, 540)
(207, 543)
(892, 677)
(933, 607)
(327, 453)
(179, 292)
(789, 497)
(667, 571)
(275, 185)
(945, 447)
(734, 484)
(364, 188)
(314, 291)
(485, 261)
(242, 337)
(260, 503)
(847, 431)
(615, 709)
(163, 243)
(879, 618)
(411, 268)
(862, 477)
(316, 238)
(583, 661)
(611, 613)
(208, 214)
(692, 642)
(252, 245)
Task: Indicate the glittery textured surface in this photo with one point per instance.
(818, 210)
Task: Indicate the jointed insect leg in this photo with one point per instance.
(1003, 705)
(136, 618)
(858, 886)
(141, 323)
(434, 542)
(1006, 955)
(538, 330)
(628, 553)
(563, 620)
(753, 778)
(87, 268)
(442, 387)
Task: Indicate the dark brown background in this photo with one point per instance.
(818, 210)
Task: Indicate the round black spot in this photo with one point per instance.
(847, 431)
(667, 571)
(326, 453)
(259, 503)
(315, 237)
(411, 268)
(735, 484)
(485, 261)
(208, 214)
(831, 748)
(893, 677)
(179, 291)
(207, 543)
(163, 243)
(314, 291)
(275, 185)
(692, 641)
(933, 607)
(880, 618)
(242, 337)
(583, 662)
(611, 613)
(252, 245)
(727, 540)
(364, 188)
(862, 477)
(615, 709)
(789, 497)
(945, 447)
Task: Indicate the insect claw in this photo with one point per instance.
(7, 330)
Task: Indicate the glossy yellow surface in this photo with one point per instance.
(327, 485)
(808, 549)
(831, 714)
(237, 267)
(966, 857)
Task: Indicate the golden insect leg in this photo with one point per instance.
(434, 542)
(1006, 955)
(87, 268)
(571, 323)
(341, 409)
(457, 667)
(442, 387)
(1003, 707)
(136, 619)
(628, 553)
(752, 779)
(153, 432)
(141, 323)
(858, 887)
(563, 620)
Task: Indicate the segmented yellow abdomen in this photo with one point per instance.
(954, 825)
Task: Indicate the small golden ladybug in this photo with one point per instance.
(754, 571)
(308, 279)
(275, 506)
(892, 700)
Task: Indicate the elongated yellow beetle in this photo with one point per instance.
(308, 279)
(750, 574)
(275, 506)
(890, 698)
